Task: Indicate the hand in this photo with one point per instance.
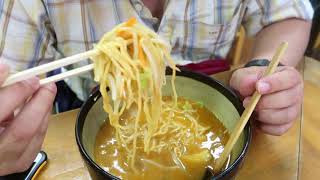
(22, 134)
(282, 95)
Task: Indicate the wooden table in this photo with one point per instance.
(310, 143)
(269, 157)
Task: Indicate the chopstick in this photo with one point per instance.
(67, 74)
(23, 75)
(248, 111)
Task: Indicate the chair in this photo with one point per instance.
(314, 43)
(237, 52)
(317, 42)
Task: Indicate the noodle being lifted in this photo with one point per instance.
(131, 64)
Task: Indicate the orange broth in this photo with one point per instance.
(159, 166)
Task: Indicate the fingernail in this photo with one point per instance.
(33, 82)
(51, 87)
(263, 87)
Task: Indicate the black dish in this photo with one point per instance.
(195, 85)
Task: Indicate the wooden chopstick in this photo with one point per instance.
(248, 111)
(23, 75)
(67, 74)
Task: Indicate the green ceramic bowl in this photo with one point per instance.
(216, 97)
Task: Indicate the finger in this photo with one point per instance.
(12, 149)
(279, 116)
(4, 72)
(278, 100)
(16, 137)
(26, 123)
(286, 78)
(275, 130)
(15, 95)
(244, 80)
(34, 146)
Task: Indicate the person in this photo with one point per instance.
(35, 32)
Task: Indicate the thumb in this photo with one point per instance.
(244, 80)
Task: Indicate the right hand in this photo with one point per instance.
(22, 133)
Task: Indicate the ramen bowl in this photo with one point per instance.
(216, 97)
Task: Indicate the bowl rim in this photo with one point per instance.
(222, 88)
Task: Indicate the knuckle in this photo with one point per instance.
(293, 99)
(233, 78)
(297, 95)
(263, 116)
(47, 95)
(292, 114)
(24, 88)
(294, 75)
(262, 104)
(23, 85)
(51, 89)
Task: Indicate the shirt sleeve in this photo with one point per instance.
(261, 13)
(26, 35)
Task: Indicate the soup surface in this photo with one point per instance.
(190, 164)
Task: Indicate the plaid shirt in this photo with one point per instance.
(33, 32)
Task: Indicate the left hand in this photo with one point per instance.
(282, 95)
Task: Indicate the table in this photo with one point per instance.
(310, 144)
(269, 157)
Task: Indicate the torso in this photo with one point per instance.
(196, 30)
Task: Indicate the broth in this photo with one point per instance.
(193, 162)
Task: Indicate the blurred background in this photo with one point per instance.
(314, 45)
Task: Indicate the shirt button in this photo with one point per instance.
(138, 7)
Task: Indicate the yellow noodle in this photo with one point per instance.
(131, 64)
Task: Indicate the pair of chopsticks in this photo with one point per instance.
(248, 111)
(23, 75)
